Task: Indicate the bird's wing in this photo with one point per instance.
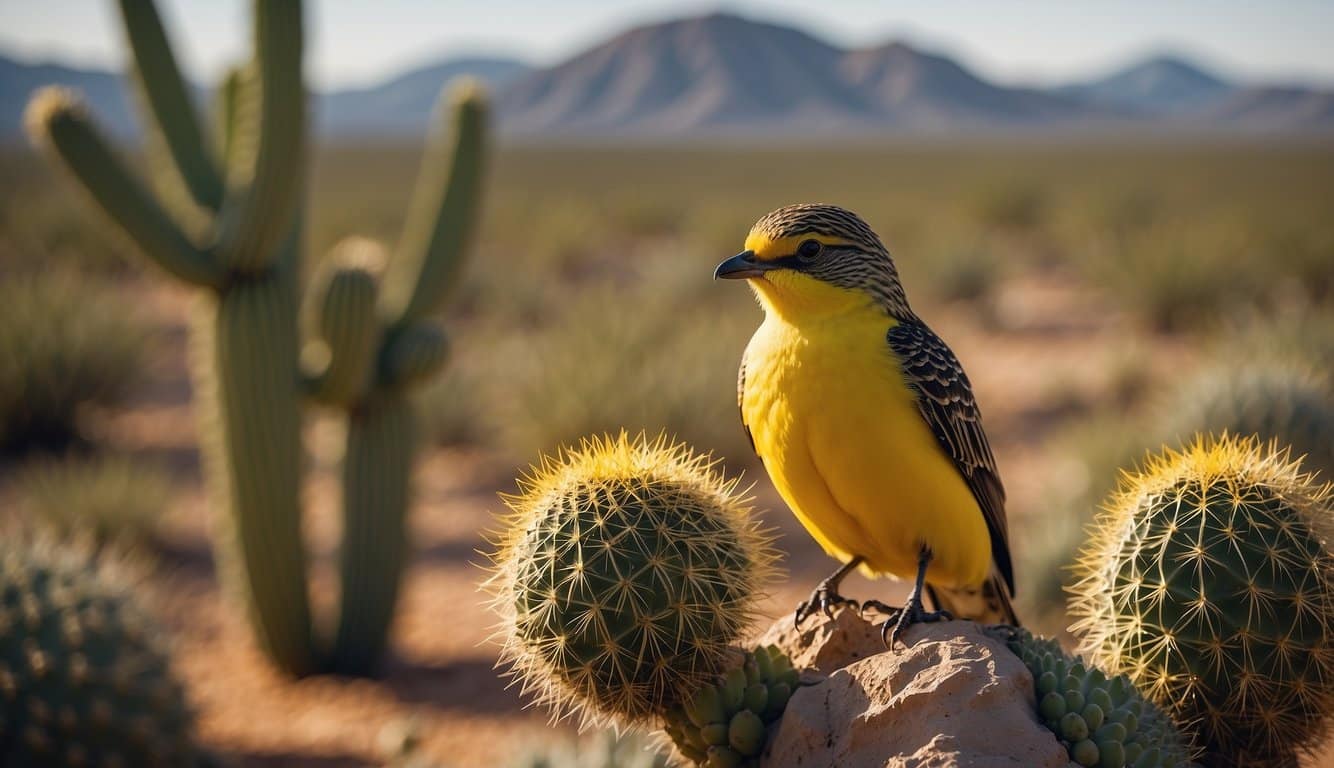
(945, 399)
(741, 401)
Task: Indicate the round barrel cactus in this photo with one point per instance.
(725, 724)
(1102, 722)
(624, 571)
(83, 677)
(1208, 582)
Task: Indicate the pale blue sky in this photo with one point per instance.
(1041, 41)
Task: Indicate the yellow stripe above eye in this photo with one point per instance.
(767, 248)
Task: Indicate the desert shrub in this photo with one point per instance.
(110, 499)
(1012, 207)
(1290, 404)
(631, 357)
(67, 342)
(453, 408)
(962, 272)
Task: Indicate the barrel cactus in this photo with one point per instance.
(1103, 722)
(83, 677)
(725, 724)
(1208, 582)
(624, 572)
(1279, 402)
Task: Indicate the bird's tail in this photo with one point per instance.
(988, 604)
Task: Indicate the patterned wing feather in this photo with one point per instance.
(946, 401)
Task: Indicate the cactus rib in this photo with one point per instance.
(376, 496)
(255, 353)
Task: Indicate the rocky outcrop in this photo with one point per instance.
(953, 697)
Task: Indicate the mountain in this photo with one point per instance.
(1161, 85)
(403, 105)
(723, 74)
(909, 88)
(711, 73)
(104, 92)
(1274, 109)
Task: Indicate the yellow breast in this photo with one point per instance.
(845, 445)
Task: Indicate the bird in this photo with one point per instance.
(867, 425)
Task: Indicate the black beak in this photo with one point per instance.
(741, 266)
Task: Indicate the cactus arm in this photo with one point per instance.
(166, 95)
(345, 294)
(443, 212)
(264, 181)
(376, 473)
(58, 121)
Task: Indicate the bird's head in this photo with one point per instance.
(807, 260)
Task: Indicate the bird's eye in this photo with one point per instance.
(809, 249)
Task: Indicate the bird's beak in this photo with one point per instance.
(741, 266)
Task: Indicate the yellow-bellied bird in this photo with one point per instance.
(866, 422)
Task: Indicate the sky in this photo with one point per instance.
(358, 42)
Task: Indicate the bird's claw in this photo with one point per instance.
(891, 631)
(824, 599)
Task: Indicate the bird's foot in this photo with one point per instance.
(825, 598)
(891, 631)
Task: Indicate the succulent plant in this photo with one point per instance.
(83, 677)
(725, 724)
(1208, 582)
(623, 572)
(234, 234)
(1103, 722)
(1274, 401)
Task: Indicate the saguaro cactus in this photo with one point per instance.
(238, 239)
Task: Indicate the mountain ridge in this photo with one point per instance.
(722, 74)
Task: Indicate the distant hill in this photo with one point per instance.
(723, 74)
(726, 75)
(402, 105)
(1273, 109)
(909, 88)
(1161, 85)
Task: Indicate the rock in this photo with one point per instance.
(954, 697)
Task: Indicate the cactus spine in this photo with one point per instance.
(83, 680)
(238, 238)
(1207, 580)
(624, 571)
